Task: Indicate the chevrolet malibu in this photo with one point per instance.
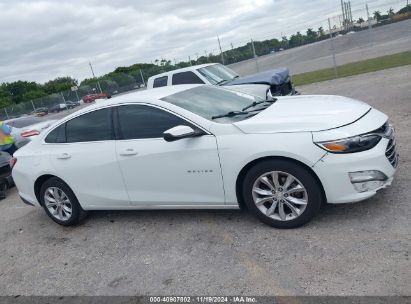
(205, 147)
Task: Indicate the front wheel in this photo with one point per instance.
(60, 203)
(282, 193)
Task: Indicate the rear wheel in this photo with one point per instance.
(60, 203)
(282, 193)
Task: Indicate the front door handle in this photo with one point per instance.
(64, 156)
(128, 152)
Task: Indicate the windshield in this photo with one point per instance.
(217, 74)
(209, 102)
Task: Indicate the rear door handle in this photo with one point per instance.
(128, 152)
(64, 156)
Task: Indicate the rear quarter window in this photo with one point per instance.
(160, 82)
(58, 135)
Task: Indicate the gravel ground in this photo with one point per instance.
(353, 249)
(383, 40)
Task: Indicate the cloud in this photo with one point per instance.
(41, 40)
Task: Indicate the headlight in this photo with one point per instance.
(351, 144)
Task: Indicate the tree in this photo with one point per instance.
(59, 84)
(360, 20)
(377, 15)
(284, 42)
(311, 35)
(321, 31)
(297, 39)
(390, 12)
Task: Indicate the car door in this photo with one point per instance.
(157, 172)
(83, 154)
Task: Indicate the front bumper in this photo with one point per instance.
(333, 171)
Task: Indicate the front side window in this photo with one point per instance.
(218, 74)
(186, 78)
(140, 121)
(160, 82)
(93, 126)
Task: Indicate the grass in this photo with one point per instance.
(355, 68)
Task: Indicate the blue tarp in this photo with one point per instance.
(273, 77)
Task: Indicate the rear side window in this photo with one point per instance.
(160, 82)
(139, 121)
(57, 136)
(186, 78)
(93, 126)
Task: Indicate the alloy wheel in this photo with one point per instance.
(58, 203)
(279, 195)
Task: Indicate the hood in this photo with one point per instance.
(259, 90)
(272, 77)
(304, 114)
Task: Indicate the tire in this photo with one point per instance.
(66, 201)
(281, 205)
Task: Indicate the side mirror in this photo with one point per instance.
(179, 132)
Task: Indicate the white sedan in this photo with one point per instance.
(205, 147)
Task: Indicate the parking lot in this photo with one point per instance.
(380, 41)
(353, 249)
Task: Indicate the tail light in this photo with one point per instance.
(13, 162)
(30, 133)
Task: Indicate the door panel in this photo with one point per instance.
(183, 172)
(83, 154)
(92, 171)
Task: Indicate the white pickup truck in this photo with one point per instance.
(265, 84)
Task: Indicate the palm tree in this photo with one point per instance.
(360, 20)
(390, 12)
(377, 15)
(321, 31)
(311, 35)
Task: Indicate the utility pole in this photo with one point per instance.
(347, 16)
(189, 60)
(332, 49)
(221, 50)
(76, 95)
(343, 12)
(368, 17)
(142, 78)
(64, 100)
(206, 56)
(94, 76)
(255, 56)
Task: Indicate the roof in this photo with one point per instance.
(190, 68)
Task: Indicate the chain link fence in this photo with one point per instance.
(356, 34)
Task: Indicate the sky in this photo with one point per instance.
(42, 40)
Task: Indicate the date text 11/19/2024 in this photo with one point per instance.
(203, 299)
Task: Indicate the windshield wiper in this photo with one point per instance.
(231, 114)
(221, 82)
(259, 102)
